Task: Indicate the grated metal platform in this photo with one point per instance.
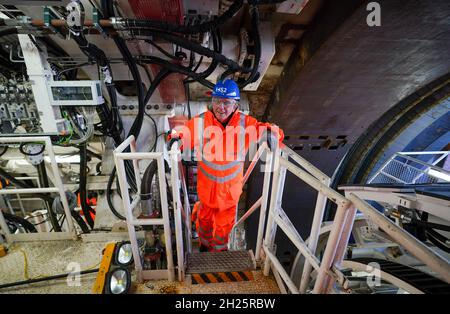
(228, 261)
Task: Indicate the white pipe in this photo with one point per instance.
(124, 144)
(436, 262)
(187, 207)
(130, 156)
(314, 236)
(330, 249)
(29, 191)
(147, 222)
(343, 242)
(121, 176)
(165, 215)
(269, 237)
(265, 194)
(177, 209)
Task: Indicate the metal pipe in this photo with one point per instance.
(29, 191)
(330, 249)
(187, 207)
(436, 262)
(147, 222)
(165, 216)
(128, 156)
(121, 177)
(343, 242)
(314, 236)
(269, 237)
(265, 195)
(124, 144)
(173, 155)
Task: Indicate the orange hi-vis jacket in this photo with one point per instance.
(221, 154)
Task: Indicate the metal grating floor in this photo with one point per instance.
(209, 262)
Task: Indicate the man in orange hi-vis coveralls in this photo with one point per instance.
(221, 137)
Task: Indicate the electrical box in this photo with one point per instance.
(75, 93)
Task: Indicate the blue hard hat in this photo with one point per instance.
(226, 89)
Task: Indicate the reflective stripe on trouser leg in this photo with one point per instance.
(205, 224)
(223, 223)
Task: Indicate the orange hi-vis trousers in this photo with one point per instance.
(213, 225)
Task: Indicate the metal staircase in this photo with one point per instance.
(215, 267)
(319, 275)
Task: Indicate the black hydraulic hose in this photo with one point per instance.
(438, 240)
(178, 69)
(5, 175)
(77, 217)
(217, 46)
(147, 178)
(187, 29)
(30, 281)
(109, 194)
(21, 221)
(137, 124)
(162, 74)
(43, 178)
(22, 184)
(185, 43)
(430, 225)
(82, 187)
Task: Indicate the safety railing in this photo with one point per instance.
(58, 188)
(404, 169)
(260, 203)
(327, 269)
(277, 165)
(181, 213)
(130, 204)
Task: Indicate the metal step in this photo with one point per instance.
(216, 262)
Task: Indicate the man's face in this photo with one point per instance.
(223, 108)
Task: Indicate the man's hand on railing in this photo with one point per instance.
(172, 137)
(273, 139)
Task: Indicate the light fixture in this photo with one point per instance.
(118, 281)
(123, 255)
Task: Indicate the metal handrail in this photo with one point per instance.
(328, 269)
